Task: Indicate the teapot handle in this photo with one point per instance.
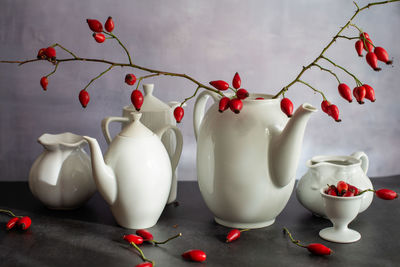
(104, 126)
(175, 158)
(364, 160)
(199, 108)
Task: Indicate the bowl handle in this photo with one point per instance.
(364, 160)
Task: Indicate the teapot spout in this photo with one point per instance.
(285, 150)
(103, 175)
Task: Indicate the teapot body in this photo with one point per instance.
(330, 170)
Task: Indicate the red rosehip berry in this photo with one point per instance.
(382, 55)
(99, 37)
(236, 105)
(50, 53)
(372, 60)
(369, 93)
(220, 85)
(11, 223)
(178, 114)
(137, 99)
(354, 189)
(145, 264)
(349, 193)
(345, 92)
(368, 45)
(233, 235)
(333, 111)
(130, 79)
(236, 81)
(137, 240)
(24, 222)
(242, 93)
(84, 98)
(359, 93)
(331, 191)
(319, 249)
(324, 106)
(95, 25)
(195, 255)
(287, 106)
(359, 45)
(364, 35)
(42, 53)
(109, 25)
(223, 104)
(145, 234)
(342, 187)
(44, 82)
(386, 194)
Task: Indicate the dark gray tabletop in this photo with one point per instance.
(89, 236)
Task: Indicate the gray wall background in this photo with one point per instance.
(267, 42)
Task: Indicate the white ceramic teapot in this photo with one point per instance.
(323, 170)
(135, 175)
(61, 177)
(155, 116)
(246, 163)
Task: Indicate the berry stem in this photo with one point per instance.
(98, 76)
(65, 49)
(327, 70)
(122, 45)
(316, 90)
(297, 242)
(55, 69)
(169, 239)
(145, 77)
(366, 190)
(365, 40)
(142, 254)
(348, 38)
(10, 213)
(192, 96)
(345, 70)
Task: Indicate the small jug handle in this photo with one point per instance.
(199, 109)
(175, 157)
(364, 160)
(105, 123)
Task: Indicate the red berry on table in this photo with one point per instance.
(220, 85)
(232, 235)
(236, 105)
(145, 234)
(11, 223)
(372, 60)
(109, 25)
(99, 37)
(50, 52)
(145, 264)
(325, 105)
(178, 114)
(369, 93)
(137, 99)
(42, 53)
(224, 104)
(24, 222)
(382, 55)
(359, 45)
(386, 194)
(319, 249)
(236, 81)
(368, 45)
(364, 35)
(345, 92)
(84, 98)
(44, 82)
(242, 93)
(195, 255)
(359, 93)
(333, 111)
(137, 240)
(287, 106)
(95, 25)
(130, 79)
(342, 187)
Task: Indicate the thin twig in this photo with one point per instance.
(98, 76)
(327, 70)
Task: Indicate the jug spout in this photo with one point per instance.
(285, 150)
(103, 175)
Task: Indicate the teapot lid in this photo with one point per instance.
(135, 128)
(150, 102)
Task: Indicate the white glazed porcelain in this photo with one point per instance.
(330, 170)
(246, 163)
(341, 211)
(155, 116)
(135, 175)
(61, 177)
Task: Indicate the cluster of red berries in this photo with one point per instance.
(374, 53)
(343, 189)
(23, 222)
(97, 28)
